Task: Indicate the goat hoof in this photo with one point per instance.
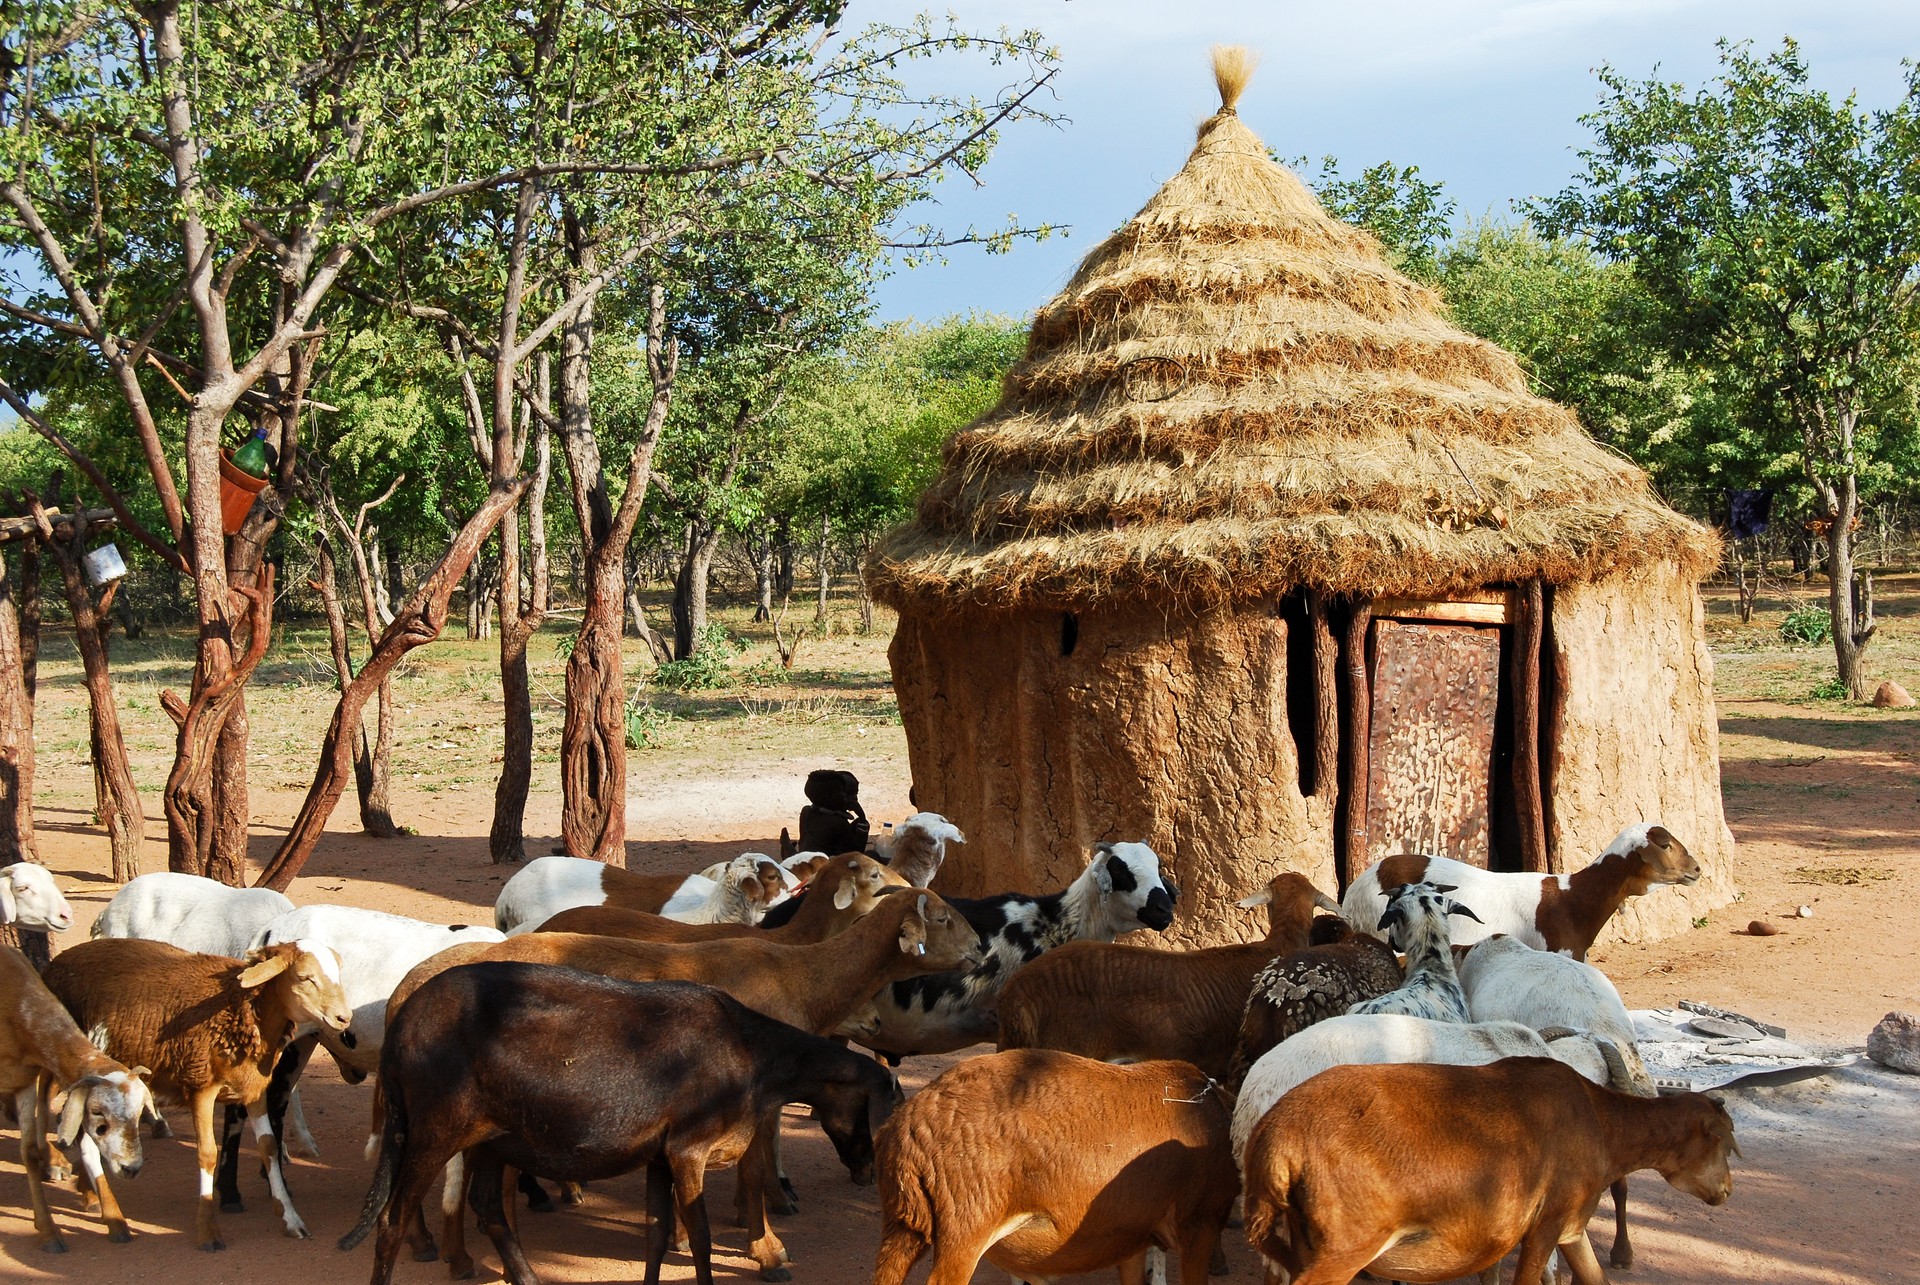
(304, 1150)
(1218, 1265)
(119, 1235)
(212, 1246)
(683, 1247)
(775, 1274)
(460, 1269)
(235, 1206)
(299, 1233)
(786, 1185)
(161, 1129)
(540, 1202)
(53, 1246)
(427, 1254)
(782, 1207)
(1623, 1261)
(572, 1193)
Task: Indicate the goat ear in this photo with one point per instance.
(1660, 837)
(1260, 898)
(8, 911)
(1323, 902)
(844, 894)
(1444, 887)
(264, 969)
(913, 929)
(1455, 908)
(71, 1107)
(1103, 877)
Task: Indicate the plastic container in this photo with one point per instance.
(237, 493)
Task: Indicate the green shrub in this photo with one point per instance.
(1810, 625)
(647, 723)
(705, 670)
(1830, 690)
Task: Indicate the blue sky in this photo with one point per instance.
(1483, 95)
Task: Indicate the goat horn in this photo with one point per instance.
(1618, 1075)
(1260, 898)
(1324, 902)
(1552, 1033)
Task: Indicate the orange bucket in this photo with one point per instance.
(237, 494)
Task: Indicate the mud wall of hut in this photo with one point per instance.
(1039, 734)
(1633, 736)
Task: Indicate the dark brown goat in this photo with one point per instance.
(1426, 1172)
(1116, 1002)
(577, 1077)
(1311, 985)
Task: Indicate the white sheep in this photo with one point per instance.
(201, 915)
(1365, 1038)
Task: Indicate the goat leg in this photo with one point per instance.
(205, 1226)
(227, 1182)
(1582, 1262)
(1622, 1255)
(660, 1215)
(486, 1177)
(689, 1184)
(268, 1141)
(34, 1157)
(90, 1163)
(283, 1099)
(537, 1198)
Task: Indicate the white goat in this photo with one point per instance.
(1416, 921)
(1547, 912)
(920, 847)
(30, 899)
(201, 915)
(738, 892)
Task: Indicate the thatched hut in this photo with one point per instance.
(1262, 560)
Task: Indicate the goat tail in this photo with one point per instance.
(1274, 1226)
(393, 1137)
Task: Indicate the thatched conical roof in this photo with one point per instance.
(1236, 395)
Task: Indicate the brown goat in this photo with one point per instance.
(1292, 993)
(1114, 1002)
(1047, 1164)
(1425, 1172)
(839, 891)
(210, 1027)
(96, 1102)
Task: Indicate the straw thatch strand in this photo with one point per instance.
(1232, 68)
(1236, 396)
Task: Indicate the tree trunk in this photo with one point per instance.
(825, 568)
(395, 575)
(593, 742)
(783, 546)
(520, 619)
(763, 569)
(419, 621)
(690, 589)
(16, 730)
(117, 799)
(1850, 633)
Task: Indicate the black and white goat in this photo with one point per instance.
(1416, 924)
(1120, 890)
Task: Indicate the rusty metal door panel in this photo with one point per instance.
(1430, 753)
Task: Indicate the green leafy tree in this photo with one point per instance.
(1778, 230)
(1411, 217)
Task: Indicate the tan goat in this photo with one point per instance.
(210, 1027)
(1424, 1172)
(96, 1102)
(1046, 1164)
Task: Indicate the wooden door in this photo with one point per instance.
(1435, 691)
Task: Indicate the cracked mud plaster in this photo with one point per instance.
(1638, 737)
(1170, 729)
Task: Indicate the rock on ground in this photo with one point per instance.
(1891, 695)
(1896, 1042)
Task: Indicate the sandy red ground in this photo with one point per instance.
(1826, 1192)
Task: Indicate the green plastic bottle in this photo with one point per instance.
(251, 458)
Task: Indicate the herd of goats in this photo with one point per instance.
(1414, 1084)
